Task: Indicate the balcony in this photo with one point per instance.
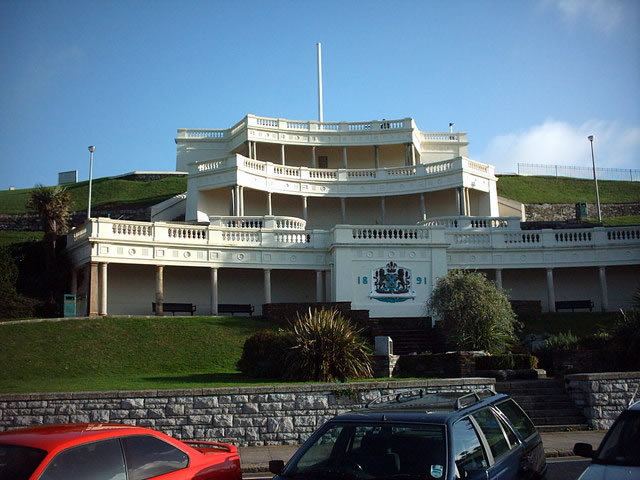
(267, 176)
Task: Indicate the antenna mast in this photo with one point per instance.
(320, 113)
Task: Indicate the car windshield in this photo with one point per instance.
(373, 451)
(18, 463)
(622, 445)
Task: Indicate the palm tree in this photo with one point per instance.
(52, 205)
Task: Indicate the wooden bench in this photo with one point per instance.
(235, 308)
(573, 304)
(176, 307)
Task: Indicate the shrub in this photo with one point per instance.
(473, 313)
(12, 304)
(561, 342)
(524, 362)
(265, 354)
(327, 347)
(495, 362)
(625, 340)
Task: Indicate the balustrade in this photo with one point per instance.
(389, 233)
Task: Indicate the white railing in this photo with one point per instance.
(286, 232)
(296, 125)
(443, 137)
(463, 222)
(258, 223)
(269, 169)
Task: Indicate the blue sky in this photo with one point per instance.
(528, 80)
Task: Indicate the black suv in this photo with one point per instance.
(482, 435)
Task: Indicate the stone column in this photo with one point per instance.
(551, 294)
(214, 291)
(412, 154)
(604, 293)
(423, 208)
(376, 156)
(269, 204)
(159, 290)
(102, 310)
(343, 209)
(314, 161)
(319, 282)
(345, 161)
(467, 202)
(499, 278)
(282, 154)
(74, 282)
(255, 150)
(241, 201)
(233, 201)
(267, 285)
(236, 203)
(383, 210)
(249, 148)
(93, 290)
(305, 210)
(460, 201)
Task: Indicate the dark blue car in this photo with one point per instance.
(482, 435)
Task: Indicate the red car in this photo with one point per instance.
(111, 452)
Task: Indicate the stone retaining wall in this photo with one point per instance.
(267, 415)
(567, 211)
(602, 396)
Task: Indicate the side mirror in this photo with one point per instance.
(276, 466)
(583, 450)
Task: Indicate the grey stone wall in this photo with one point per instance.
(536, 212)
(267, 415)
(602, 396)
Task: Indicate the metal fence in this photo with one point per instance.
(629, 174)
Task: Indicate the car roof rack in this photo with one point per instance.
(431, 401)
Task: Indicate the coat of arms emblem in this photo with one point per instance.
(391, 283)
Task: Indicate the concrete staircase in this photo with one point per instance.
(547, 404)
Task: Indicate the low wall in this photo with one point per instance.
(602, 396)
(536, 212)
(270, 415)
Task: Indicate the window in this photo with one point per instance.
(468, 451)
(511, 437)
(518, 418)
(18, 462)
(492, 431)
(97, 461)
(621, 445)
(375, 451)
(148, 456)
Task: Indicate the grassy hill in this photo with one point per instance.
(109, 191)
(123, 353)
(105, 191)
(566, 190)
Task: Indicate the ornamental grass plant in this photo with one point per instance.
(327, 347)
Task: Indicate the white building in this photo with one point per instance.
(371, 213)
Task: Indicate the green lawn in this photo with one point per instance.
(123, 353)
(619, 221)
(8, 237)
(566, 190)
(580, 324)
(105, 191)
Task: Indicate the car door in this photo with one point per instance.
(502, 443)
(469, 453)
(102, 460)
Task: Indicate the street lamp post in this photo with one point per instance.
(595, 179)
(91, 150)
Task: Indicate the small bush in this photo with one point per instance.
(495, 362)
(561, 342)
(524, 362)
(625, 340)
(474, 314)
(327, 347)
(265, 354)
